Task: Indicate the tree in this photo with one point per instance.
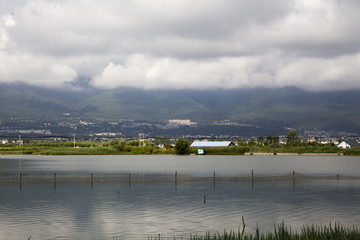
(269, 139)
(182, 146)
(276, 140)
(134, 143)
(162, 140)
(292, 138)
(260, 140)
(115, 143)
(241, 142)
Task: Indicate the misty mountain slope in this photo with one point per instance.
(28, 102)
(276, 108)
(296, 108)
(141, 105)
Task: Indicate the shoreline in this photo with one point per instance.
(55, 153)
(155, 154)
(292, 154)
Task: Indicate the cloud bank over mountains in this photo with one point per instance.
(181, 44)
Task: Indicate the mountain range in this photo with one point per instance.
(276, 108)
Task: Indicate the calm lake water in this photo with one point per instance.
(146, 208)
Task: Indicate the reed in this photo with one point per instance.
(282, 232)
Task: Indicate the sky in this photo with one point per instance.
(181, 44)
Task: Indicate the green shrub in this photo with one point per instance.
(182, 146)
(352, 151)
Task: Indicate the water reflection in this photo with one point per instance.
(200, 166)
(172, 195)
(148, 208)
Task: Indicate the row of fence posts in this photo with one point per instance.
(175, 179)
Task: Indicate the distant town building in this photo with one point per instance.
(183, 122)
(85, 123)
(111, 134)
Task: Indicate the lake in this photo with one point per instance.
(154, 202)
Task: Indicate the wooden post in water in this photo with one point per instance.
(214, 179)
(20, 181)
(175, 181)
(92, 180)
(129, 179)
(204, 199)
(175, 178)
(54, 181)
(252, 178)
(293, 176)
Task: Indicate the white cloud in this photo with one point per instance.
(169, 73)
(35, 70)
(181, 43)
(317, 74)
(312, 74)
(5, 22)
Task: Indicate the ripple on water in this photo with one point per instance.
(149, 208)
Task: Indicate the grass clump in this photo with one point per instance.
(282, 232)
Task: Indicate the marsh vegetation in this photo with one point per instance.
(180, 146)
(282, 232)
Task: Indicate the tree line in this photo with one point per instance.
(180, 146)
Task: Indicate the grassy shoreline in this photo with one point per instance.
(282, 232)
(111, 148)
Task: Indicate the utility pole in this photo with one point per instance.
(141, 139)
(74, 140)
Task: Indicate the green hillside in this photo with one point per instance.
(267, 107)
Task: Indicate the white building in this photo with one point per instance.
(204, 144)
(348, 144)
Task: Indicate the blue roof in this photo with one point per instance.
(211, 144)
(352, 143)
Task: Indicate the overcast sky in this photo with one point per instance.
(181, 44)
